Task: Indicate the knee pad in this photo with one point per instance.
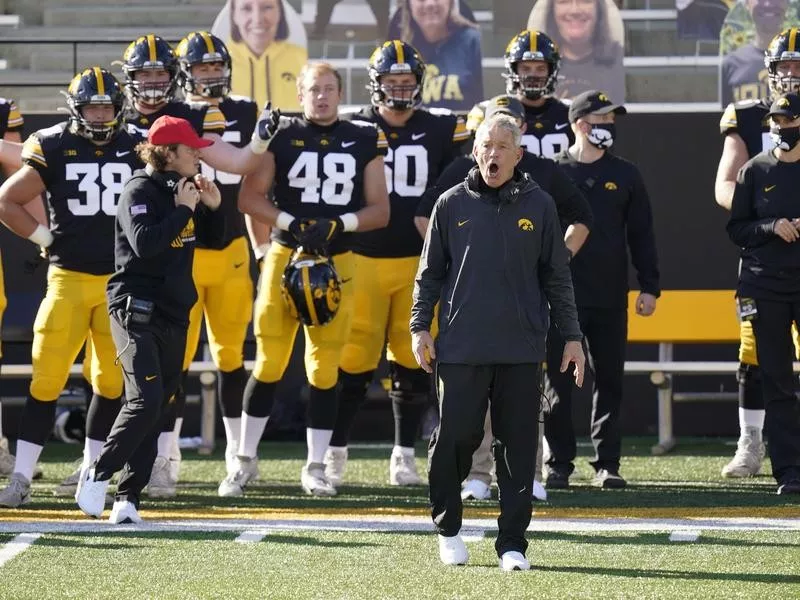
(412, 384)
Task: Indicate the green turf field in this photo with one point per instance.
(588, 543)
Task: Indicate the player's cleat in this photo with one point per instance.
(749, 455)
(314, 482)
(335, 464)
(403, 470)
(475, 489)
(17, 492)
(514, 561)
(244, 470)
(124, 512)
(161, 484)
(539, 492)
(452, 550)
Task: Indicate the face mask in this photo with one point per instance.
(602, 135)
(785, 138)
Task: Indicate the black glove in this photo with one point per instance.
(318, 233)
(297, 229)
(266, 128)
(32, 264)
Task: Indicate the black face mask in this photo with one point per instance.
(785, 138)
(602, 135)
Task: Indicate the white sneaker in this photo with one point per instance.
(161, 484)
(749, 455)
(476, 490)
(335, 464)
(452, 550)
(91, 494)
(514, 561)
(124, 512)
(539, 493)
(69, 486)
(244, 469)
(17, 492)
(403, 470)
(314, 482)
(174, 470)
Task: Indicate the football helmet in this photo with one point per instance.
(96, 86)
(531, 45)
(202, 47)
(391, 58)
(150, 52)
(784, 47)
(310, 288)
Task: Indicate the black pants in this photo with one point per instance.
(775, 351)
(606, 332)
(151, 358)
(464, 392)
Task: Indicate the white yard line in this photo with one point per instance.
(17, 546)
(684, 536)
(251, 537)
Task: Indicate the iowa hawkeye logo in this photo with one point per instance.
(525, 224)
(187, 235)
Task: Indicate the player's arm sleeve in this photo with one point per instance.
(33, 155)
(147, 234)
(728, 123)
(381, 143)
(15, 120)
(744, 227)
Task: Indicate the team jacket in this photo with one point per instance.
(766, 190)
(494, 259)
(154, 246)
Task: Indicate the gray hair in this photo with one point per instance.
(501, 121)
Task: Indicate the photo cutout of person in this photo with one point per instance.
(701, 19)
(450, 44)
(746, 33)
(268, 46)
(591, 38)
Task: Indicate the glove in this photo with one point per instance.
(266, 128)
(32, 264)
(318, 233)
(297, 229)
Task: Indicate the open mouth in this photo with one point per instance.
(493, 169)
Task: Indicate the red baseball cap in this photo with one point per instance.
(168, 130)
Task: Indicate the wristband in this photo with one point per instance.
(283, 221)
(260, 250)
(41, 236)
(349, 221)
(257, 145)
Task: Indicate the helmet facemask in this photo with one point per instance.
(150, 93)
(783, 84)
(399, 97)
(531, 87)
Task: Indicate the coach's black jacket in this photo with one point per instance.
(496, 259)
(154, 245)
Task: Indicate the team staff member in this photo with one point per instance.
(494, 251)
(576, 218)
(149, 298)
(745, 127)
(622, 221)
(765, 224)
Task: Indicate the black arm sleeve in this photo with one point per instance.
(744, 227)
(433, 265)
(642, 238)
(556, 277)
(571, 204)
(147, 235)
(455, 173)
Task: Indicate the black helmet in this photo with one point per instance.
(310, 288)
(784, 46)
(531, 45)
(95, 85)
(150, 52)
(396, 57)
(202, 47)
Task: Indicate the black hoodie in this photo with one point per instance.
(495, 258)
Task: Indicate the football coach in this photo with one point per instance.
(494, 259)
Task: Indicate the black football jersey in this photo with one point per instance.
(240, 115)
(547, 133)
(319, 170)
(418, 152)
(749, 120)
(10, 117)
(84, 182)
(203, 117)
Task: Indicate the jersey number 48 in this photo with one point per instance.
(334, 187)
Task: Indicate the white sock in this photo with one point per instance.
(403, 451)
(751, 418)
(318, 441)
(27, 457)
(165, 443)
(91, 450)
(175, 449)
(233, 432)
(252, 430)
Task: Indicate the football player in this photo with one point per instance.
(151, 78)
(745, 127)
(421, 144)
(329, 180)
(82, 163)
(532, 62)
(221, 270)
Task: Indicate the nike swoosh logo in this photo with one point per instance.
(231, 123)
(460, 223)
(347, 144)
(121, 154)
(561, 126)
(766, 189)
(417, 136)
(237, 265)
(150, 377)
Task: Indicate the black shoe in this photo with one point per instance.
(790, 486)
(557, 479)
(608, 479)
